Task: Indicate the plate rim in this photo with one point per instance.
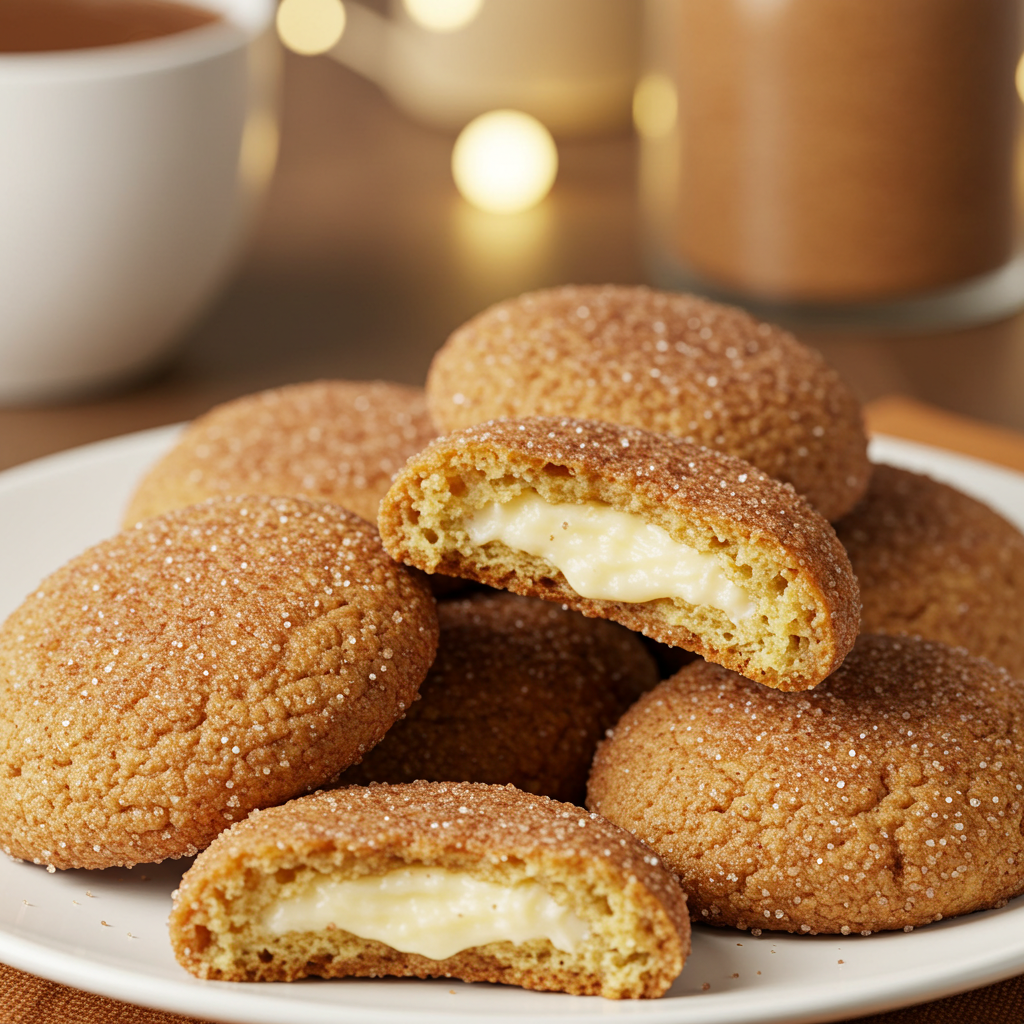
(229, 1002)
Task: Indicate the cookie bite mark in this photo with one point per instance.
(493, 884)
(332, 440)
(693, 548)
(886, 798)
(520, 692)
(675, 364)
(218, 658)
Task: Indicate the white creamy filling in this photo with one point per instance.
(609, 555)
(430, 911)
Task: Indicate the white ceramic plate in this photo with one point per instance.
(105, 931)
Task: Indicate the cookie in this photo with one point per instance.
(888, 797)
(666, 362)
(222, 657)
(693, 548)
(428, 880)
(340, 441)
(520, 692)
(934, 562)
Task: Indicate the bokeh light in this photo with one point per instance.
(1020, 78)
(442, 15)
(654, 106)
(310, 26)
(504, 161)
(258, 155)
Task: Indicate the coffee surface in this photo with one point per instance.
(28, 26)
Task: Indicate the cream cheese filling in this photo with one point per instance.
(428, 910)
(609, 555)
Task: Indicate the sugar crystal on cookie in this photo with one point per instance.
(889, 796)
(755, 535)
(195, 687)
(596, 913)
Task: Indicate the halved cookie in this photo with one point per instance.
(691, 547)
(427, 880)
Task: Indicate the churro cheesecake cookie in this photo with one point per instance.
(666, 362)
(693, 548)
(935, 562)
(520, 692)
(428, 880)
(888, 797)
(337, 440)
(222, 657)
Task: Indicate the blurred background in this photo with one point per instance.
(366, 254)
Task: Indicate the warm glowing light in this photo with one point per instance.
(310, 26)
(1020, 78)
(442, 15)
(654, 106)
(504, 161)
(258, 154)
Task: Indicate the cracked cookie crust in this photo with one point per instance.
(675, 364)
(888, 797)
(330, 440)
(932, 561)
(520, 693)
(226, 656)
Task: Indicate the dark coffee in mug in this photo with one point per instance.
(33, 26)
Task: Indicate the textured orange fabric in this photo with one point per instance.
(1002, 1003)
(26, 999)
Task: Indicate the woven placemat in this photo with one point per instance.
(25, 999)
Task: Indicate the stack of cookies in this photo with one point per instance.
(607, 480)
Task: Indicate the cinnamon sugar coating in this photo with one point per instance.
(520, 692)
(763, 535)
(214, 659)
(888, 797)
(666, 362)
(934, 562)
(340, 441)
(639, 931)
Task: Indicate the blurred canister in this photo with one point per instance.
(833, 151)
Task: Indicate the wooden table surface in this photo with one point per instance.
(365, 258)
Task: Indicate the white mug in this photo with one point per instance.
(128, 175)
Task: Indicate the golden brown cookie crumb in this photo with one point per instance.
(797, 596)
(520, 692)
(887, 797)
(632, 927)
(215, 659)
(933, 562)
(666, 362)
(337, 440)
